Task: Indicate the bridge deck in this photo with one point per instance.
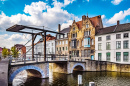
(34, 62)
(4, 72)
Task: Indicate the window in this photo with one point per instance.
(56, 43)
(74, 35)
(99, 56)
(99, 38)
(57, 48)
(87, 25)
(108, 56)
(66, 41)
(73, 43)
(86, 33)
(99, 46)
(86, 42)
(60, 42)
(61, 36)
(57, 36)
(63, 42)
(125, 56)
(126, 35)
(63, 48)
(118, 56)
(108, 37)
(66, 48)
(118, 36)
(60, 48)
(118, 44)
(126, 44)
(108, 46)
(74, 29)
(65, 34)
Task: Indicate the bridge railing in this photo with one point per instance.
(37, 59)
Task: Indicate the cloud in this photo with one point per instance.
(37, 13)
(66, 2)
(103, 16)
(65, 25)
(10, 40)
(116, 2)
(119, 16)
(40, 14)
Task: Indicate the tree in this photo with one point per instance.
(14, 52)
(5, 52)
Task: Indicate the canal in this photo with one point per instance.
(57, 79)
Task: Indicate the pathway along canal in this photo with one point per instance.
(56, 79)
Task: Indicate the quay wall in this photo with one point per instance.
(94, 65)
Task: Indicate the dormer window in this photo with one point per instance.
(87, 25)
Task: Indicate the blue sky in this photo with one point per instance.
(50, 13)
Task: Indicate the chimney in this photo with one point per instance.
(58, 27)
(83, 17)
(118, 22)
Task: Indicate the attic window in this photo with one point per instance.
(87, 25)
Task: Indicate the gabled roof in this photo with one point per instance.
(96, 21)
(114, 29)
(79, 24)
(65, 30)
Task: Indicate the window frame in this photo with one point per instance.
(118, 42)
(109, 46)
(118, 36)
(124, 35)
(108, 37)
(99, 38)
(126, 44)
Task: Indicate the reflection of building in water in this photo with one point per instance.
(39, 47)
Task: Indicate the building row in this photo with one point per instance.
(88, 39)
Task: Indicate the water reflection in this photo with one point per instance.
(101, 79)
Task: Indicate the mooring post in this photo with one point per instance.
(79, 79)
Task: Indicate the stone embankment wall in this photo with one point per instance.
(93, 65)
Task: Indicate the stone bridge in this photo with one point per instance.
(41, 69)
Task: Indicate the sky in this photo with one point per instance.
(50, 13)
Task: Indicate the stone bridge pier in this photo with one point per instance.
(68, 66)
(40, 70)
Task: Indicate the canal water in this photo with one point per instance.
(57, 79)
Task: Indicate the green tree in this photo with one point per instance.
(14, 52)
(5, 52)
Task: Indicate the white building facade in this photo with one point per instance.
(39, 48)
(113, 44)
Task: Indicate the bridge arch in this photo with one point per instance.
(78, 64)
(12, 76)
